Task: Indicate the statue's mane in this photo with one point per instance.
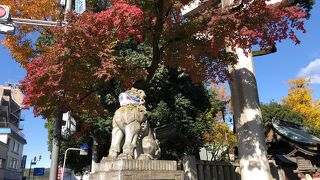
(136, 92)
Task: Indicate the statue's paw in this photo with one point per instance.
(125, 156)
(112, 155)
(145, 157)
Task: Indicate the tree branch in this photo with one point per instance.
(156, 40)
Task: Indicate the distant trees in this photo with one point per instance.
(219, 141)
(220, 138)
(298, 107)
(300, 99)
(281, 112)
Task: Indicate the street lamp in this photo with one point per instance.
(33, 162)
(83, 151)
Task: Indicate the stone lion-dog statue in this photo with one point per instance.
(132, 137)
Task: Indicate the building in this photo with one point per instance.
(12, 139)
(295, 150)
(3, 157)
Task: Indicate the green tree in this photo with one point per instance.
(94, 132)
(281, 112)
(172, 99)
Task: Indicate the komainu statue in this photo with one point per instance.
(132, 137)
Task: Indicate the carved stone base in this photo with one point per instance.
(125, 169)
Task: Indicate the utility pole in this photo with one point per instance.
(7, 26)
(58, 122)
(68, 7)
(56, 145)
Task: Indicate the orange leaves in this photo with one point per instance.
(32, 9)
(20, 46)
(21, 49)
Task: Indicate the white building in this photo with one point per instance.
(11, 138)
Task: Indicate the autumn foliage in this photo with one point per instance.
(85, 55)
(82, 61)
(300, 99)
(257, 23)
(21, 46)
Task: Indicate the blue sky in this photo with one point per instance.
(36, 134)
(272, 73)
(290, 61)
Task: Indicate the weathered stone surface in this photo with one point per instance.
(131, 133)
(125, 169)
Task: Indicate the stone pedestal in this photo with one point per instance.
(124, 169)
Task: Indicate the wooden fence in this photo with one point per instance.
(211, 170)
(216, 170)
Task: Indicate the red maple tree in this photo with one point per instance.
(82, 61)
(84, 58)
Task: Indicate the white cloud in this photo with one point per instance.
(311, 71)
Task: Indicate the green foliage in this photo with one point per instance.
(50, 127)
(134, 53)
(173, 100)
(75, 161)
(279, 111)
(98, 5)
(87, 130)
(216, 107)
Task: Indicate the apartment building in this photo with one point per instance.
(12, 139)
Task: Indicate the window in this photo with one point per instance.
(18, 147)
(15, 166)
(13, 144)
(2, 162)
(13, 163)
(15, 147)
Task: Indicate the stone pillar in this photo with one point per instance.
(247, 116)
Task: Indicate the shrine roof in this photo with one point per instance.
(295, 133)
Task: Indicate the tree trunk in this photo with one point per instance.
(247, 115)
